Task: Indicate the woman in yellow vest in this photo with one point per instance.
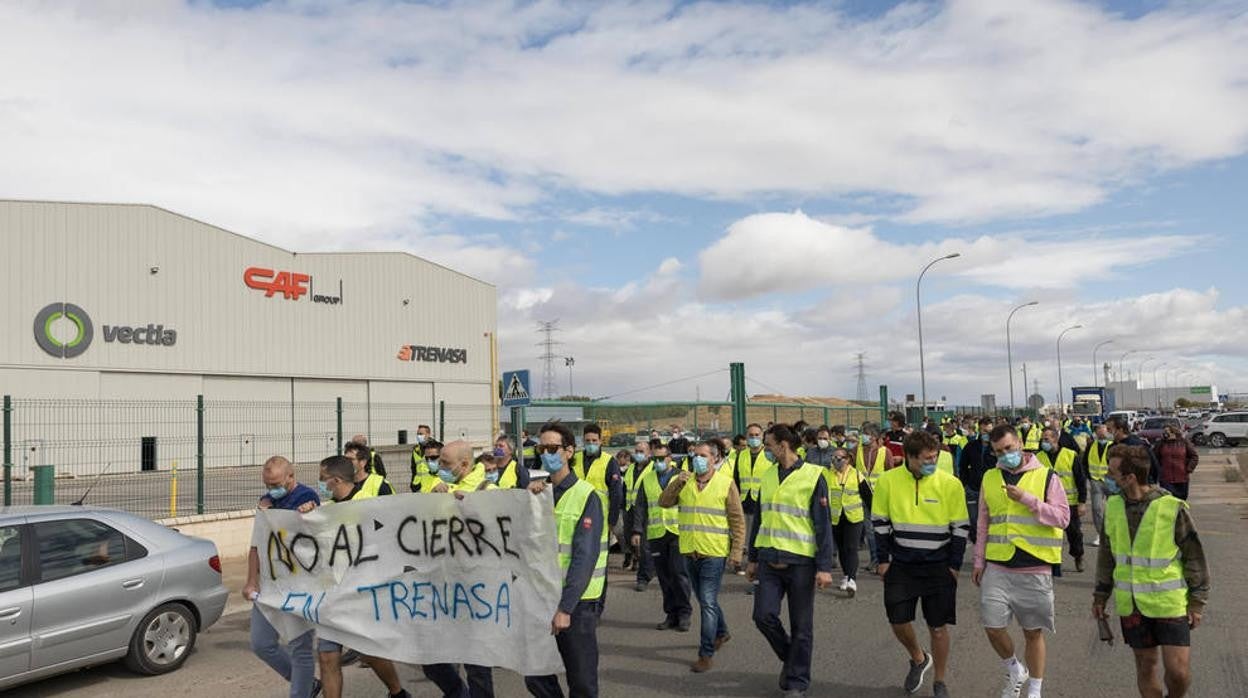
(712, 536)
(1154, 566)
(845, 507)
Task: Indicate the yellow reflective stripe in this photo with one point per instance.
(709, 511)
(920, 528)
(1033, 540)
(919, 544)
(784, 509)
(1142, 561)
(698, 528)
(1150, 587)
(781, 533)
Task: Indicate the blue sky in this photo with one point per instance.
(688, 184)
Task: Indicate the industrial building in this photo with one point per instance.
(132, 306)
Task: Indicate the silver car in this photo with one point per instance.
(81, 586)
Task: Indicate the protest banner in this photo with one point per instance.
(419, 578)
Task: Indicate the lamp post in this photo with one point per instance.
(1009, 353)
(1139, 380)
(1120, 358)
(1155, 390)
(1061, 399)
(1096, 369)
(570, 362)
(918, 304)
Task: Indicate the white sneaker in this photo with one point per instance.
(844, 583)
(1014, 681)
(852, 587)
(1095, 542)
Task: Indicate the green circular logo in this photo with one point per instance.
(84, 330)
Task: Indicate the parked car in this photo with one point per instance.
(81, 586)
(1154, 427)
(1218, 430)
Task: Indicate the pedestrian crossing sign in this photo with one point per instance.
(516, 389)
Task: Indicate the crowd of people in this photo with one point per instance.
(786, 505)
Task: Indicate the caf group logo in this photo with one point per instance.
(84, 330)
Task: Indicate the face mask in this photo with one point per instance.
(432, 465)
(1011, 460)
(499, 453)
(276, 493)
(551, 462)
(983, 437)
(754, 442)
(824, 443)
(592, 449)
(1111, 486)
(446, 475)
(660, 465)
(770, 456)
(639, 457)
(851, 445)
(323, 489)
(839, 462)
(927, 469)
(420, 438)
(1104, 442)
(700, 465)
(1046, 446)
(492, 476)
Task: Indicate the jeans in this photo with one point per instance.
(446, 678)
(706, 575)
(1178, 489)
(578, 645)
(1074, 533)
(798, 583)
(295, 662)
(673, 578)
(846, 535)
(867, 531)
(1097, 494)
(972, 509)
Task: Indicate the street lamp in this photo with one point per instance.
(1009, 353)
(1158, 393)
(570, 362)
(1139, 380)
(1096, 369)
(1061, 400)
(1120, 358)
(918, 303)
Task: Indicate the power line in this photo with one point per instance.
(548, 356)
(774, 390)
(660, 385)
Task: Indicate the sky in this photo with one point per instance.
(686, 184)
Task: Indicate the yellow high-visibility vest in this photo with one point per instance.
(843, 494)
(1148, 572)
(568, 513)
(660, 520)
(785, 509)
(704, 516)
(1011, 525)
(1064, 466)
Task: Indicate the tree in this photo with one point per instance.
(1183, 403)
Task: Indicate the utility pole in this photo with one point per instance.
(861, 395)
(548, 356)
(1026, 397)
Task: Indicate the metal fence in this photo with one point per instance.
(177, 457)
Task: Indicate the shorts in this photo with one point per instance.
(323, 645)
(906, 585)
(1141, 633)
(1007, 595)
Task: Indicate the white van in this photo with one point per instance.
(1131, 416)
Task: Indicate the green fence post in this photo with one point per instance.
(736, 372)
(775, 414)
(45, 477)
(883, 406)
(8, 450)
(339, 426)
(442, 421)
(199, 454)
(826, 413)
(695, 417)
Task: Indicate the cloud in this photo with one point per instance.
(314, 119)
(762, 250)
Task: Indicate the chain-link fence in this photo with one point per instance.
(179, 457)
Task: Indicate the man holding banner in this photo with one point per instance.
(581, 526)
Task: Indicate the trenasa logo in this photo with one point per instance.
(84, 330)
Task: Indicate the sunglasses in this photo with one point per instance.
(549, 448)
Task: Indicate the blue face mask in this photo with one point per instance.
(551, 462)
(1011, 460)
(1046, 446)
(851, 445)
(447, 476)
(769, 454)
(499, 453)
(592, 449)
(927, 469)
(492, 476)
(700, 465)
(323, 489)
(276, 493)
(983, 437)
(660, 465)
(1111, 486)
(753, 442)
(432, 465)
(639, 457)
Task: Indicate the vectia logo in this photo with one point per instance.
(46, 322)
(47, 341)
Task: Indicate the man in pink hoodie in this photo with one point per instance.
(1022, 514)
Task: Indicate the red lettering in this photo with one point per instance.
(290, 284)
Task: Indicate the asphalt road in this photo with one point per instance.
(855, 654)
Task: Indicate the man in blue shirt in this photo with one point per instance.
(295, 661)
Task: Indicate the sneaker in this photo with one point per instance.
(939, 690)
(1078, 564)
(1095, 542)
(682, 626)
(844, 583)
(641, 586)
(628, 562)
(1014, 681)
(918, 672)
(701, 666)
(852, 587)
(741, 572)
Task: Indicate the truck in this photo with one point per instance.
(1091, 403)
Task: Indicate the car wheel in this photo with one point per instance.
(1217, 440)
(1198, 439)
(163, 641)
